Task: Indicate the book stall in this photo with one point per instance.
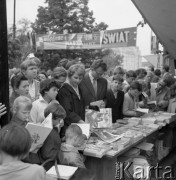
(141, 141)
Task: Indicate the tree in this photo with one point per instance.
(112, 59)
(72, 15)
(19, 47)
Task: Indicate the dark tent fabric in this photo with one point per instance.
(161, 17)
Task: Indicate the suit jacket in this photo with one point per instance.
(115, 103)
(74, 107)
(88, 90)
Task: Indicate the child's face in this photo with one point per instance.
(31, 72)
(42, 77)
(130, 79)
(52, 93)
(116, 85)
(59, 122)
(134, 92)
(23, 88)
(23, 113)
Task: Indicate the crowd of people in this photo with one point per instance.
(66, 93)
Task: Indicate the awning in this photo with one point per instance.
(161, 17)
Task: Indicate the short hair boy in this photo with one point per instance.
(131, 100)
(69, 154)
(130, 77)
(29, 69)
(48, 91)
(15, 142)
(115, 97)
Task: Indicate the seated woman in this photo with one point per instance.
(131, 100)
(162, 95)
(115, 98)
(15, 142)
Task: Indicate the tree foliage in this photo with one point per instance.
(112, 59)
(71, 15)
(19, 47)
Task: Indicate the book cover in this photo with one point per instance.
(65, 172)
(39, 132)
(99, 119)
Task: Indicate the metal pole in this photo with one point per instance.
(4, 81)
(14, 19)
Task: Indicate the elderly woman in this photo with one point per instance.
(70, 96)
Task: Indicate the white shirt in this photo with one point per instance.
(32, 90)
(92, 79)
(37, 111)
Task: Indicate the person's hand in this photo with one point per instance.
(35, 147)
(138, 114)
(2, 109)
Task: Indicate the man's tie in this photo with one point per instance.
(95, 86)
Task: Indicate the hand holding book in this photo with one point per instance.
(35, 147)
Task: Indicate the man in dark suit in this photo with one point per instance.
(94, 86)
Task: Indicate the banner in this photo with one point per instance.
(96, 40)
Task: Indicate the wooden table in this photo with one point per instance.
(105, 168)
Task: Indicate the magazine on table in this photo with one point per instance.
(96, 147)
(39, 132)
(107, 136)
(99, 119)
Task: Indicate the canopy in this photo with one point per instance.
(161, 17)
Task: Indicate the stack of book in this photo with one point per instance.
(96, 148)
(148, 120)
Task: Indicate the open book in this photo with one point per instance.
(39, 132)
(99, 119)
(142, 110)
(65, 172)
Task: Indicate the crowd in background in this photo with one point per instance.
(66, 92)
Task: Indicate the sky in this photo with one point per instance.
(116, 13)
